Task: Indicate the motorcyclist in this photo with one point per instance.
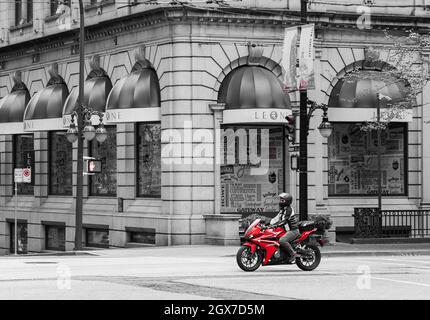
(287, 216)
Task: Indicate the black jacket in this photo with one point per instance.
(287, 216)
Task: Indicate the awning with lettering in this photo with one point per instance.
(253, 94)
(96, 90)
(354, 98)
(135, 97)
(12, 109)
(45, 109)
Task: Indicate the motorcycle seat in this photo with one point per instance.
(306, 225)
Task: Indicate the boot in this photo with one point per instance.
(293, 257)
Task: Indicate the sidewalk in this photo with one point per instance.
(345, 249)
(333, 250)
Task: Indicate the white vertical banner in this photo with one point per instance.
(306, 71)
(289, 59)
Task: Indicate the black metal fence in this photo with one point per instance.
(368, 223)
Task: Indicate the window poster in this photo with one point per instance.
(104, 183)
(353, 162)
(243, 188)
(149, 160)
(60, 177)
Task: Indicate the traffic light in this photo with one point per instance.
(291, 128)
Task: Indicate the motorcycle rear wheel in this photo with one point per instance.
(309, 263)
(247, 261)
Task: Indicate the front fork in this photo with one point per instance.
(251, 245)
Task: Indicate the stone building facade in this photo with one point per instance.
(197, 53)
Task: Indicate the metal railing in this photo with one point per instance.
(368, 223)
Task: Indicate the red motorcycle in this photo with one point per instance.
(262, 247)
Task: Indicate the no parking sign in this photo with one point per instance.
(23, 175)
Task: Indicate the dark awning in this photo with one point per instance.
(12, 109)
(256, 90)
(135, 97)
(45, 109)
(96, 91)
(355, 96)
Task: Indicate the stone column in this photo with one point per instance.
(220, 229)
(217, 110)
(6, 170)
(126, 162)
(5, 187)
(126, 175)
(40, 167)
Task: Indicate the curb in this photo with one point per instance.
(335, 254)
(375, 253)
(50, 254)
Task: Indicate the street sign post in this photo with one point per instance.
(20, 176)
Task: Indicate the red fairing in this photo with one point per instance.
(306, 234)
(251, 245)
(268, 240)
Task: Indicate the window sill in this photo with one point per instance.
(98, 5)
(21, 26)
(52, 18)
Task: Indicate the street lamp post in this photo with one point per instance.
(325, 129)
(378, 120)
(80, 121)
(303, 146)
(83, 130)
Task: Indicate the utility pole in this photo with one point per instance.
(378, 119)
(80, 125)
(303, 146)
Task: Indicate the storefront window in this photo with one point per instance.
(55, 238)
(97, 238)
(104, 183)
(352, 159)
(252, 169)
(148, 160)
(23, 147)
(60, 164)
(21, 237)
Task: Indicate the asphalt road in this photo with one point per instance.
(169, 274)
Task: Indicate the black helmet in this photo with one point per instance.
(285, 199)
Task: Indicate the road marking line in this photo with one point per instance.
(407, 260)
(389, 261)
(402, 281)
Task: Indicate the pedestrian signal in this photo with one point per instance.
(291, 128)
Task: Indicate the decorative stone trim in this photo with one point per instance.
(21, 27)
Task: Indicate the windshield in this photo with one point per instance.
(256, 221)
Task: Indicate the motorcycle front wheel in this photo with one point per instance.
(248, 261)
(309, 261)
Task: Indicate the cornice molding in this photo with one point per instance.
(159, 16)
